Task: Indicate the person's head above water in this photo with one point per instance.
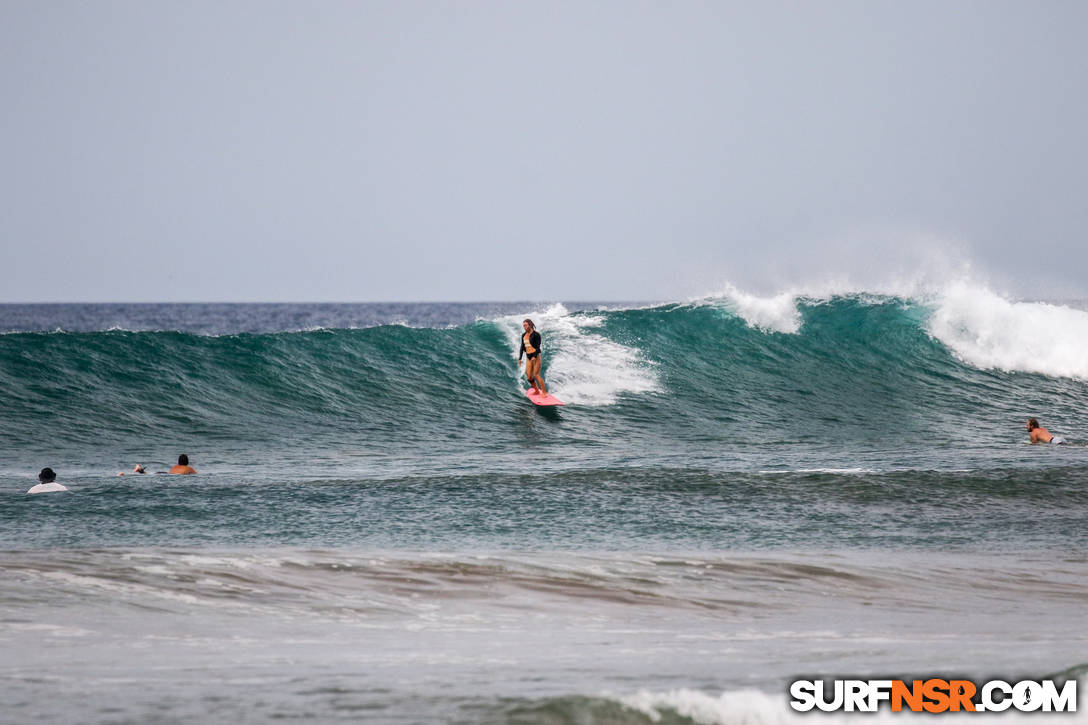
(1032, 424)
(183, 465)
(47, 475)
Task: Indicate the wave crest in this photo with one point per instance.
(988, 331)
(979, 326)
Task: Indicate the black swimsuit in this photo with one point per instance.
(534, 342)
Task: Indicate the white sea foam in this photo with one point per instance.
(584, 367)
(777, 313)
(988, 331)
(754, 707)
(740, 707)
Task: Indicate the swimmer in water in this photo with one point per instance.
(140, 468)
(530, 347)
(47, 482)
(1039, 434)
(183, 466)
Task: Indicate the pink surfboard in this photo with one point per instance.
(543, 400)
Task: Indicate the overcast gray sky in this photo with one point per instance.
(407, 150)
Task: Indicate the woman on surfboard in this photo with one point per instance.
(530, 348)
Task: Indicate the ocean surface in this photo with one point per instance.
(740, 492)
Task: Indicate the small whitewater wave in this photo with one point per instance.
(739, 707)
(756, 707)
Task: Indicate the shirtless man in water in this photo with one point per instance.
(183, 465)
(1039, 434)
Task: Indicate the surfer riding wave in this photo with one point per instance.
(530, 348)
